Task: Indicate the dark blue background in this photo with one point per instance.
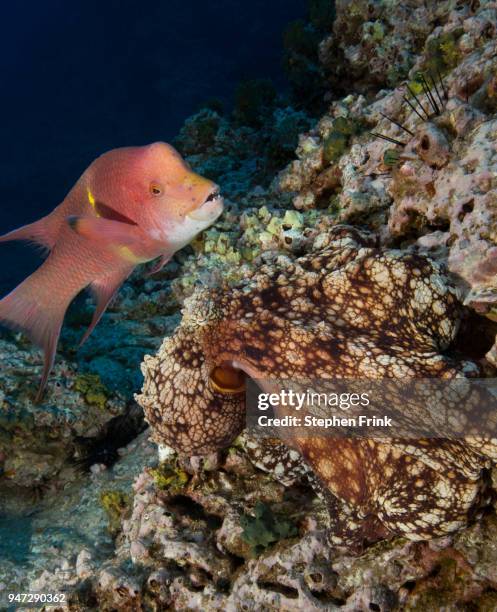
(84, 76)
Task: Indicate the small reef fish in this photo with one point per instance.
(130, 206)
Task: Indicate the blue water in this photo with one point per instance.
(82, 77)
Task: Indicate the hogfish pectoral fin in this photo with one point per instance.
(161, 262)
(42, 232)
(104, 290)
(105, 231)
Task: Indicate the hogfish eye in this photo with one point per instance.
(155, 189)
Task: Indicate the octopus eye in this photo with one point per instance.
(227, 380)
(155, 189)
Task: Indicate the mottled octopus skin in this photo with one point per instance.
(348, 310)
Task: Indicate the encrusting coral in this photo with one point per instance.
(435, 187)
(348, 310)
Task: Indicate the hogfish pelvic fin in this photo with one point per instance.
(104, 290)
(159, 264)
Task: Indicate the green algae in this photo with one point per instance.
(265, 528)
(391, 157)
(92, 389)
(378, 31)
(374, 31)
(334, 205)
(116, 504)
(346, 126)
(228, 254)
(274, 226)
(334, 146)
(415, 85)
(263, 214)
(443, 52)
(169, 477)
(337, 141)
(261, 229)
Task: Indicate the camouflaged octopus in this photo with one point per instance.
(347, 310)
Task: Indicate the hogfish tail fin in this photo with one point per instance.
(42, 233)
(39, 316)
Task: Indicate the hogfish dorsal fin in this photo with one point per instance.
(42, 232)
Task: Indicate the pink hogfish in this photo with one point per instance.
(131, 205)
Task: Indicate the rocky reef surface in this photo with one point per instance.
(85, 503)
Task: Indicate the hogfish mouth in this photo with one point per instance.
(210, 209)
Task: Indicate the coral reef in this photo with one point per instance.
(41, 446)
(36, 442)
(185, 549)
(65, 537)
(434, 192)
(244, 528)
(376, 44)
